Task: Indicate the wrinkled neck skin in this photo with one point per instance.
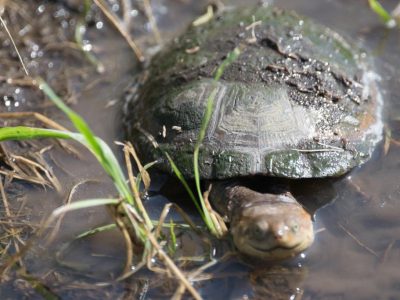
(268, 227)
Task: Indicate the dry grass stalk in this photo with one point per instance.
(126, 12)
(171, 268)
(68, 201)
(41, 165)
(28, 114)
(145, 175)
(368, 249)
(164, 214)
(128, 241)
(149, 13)
(12, 230)
(114, 20)
(25, 81)
(387, 251)
(387, 140)
(14, 45)
(23, 169)
(129, 150)
(219, 222)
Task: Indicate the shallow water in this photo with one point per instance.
(357, 250)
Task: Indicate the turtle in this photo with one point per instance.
(300, 102)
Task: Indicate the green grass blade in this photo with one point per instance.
(76, 119)
(182, 179)
(172, 244)
(98, 147)
(27, 133)
(232, 56)
(383, 14)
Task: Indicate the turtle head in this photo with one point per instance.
(275, 229)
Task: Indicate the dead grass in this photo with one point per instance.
(36, 170)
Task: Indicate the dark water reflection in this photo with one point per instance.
(356, 254)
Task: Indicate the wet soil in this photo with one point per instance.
(357, 248)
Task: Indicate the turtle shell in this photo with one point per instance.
(299, 102)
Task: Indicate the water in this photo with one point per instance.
(357, 249)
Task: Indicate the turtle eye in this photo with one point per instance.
(257, 232)
(295, 228)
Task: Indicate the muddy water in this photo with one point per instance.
(357, 250)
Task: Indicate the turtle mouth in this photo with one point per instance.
(276, 248)
(274, 252)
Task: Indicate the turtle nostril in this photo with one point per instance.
(278, 234)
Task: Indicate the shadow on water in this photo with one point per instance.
(357, 250)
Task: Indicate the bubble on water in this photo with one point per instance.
(134, 13)
(61, 13)
(87, 47)
(115, 7)
(99, 25)
(25, 30)
(64, 24)
(41, 8)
